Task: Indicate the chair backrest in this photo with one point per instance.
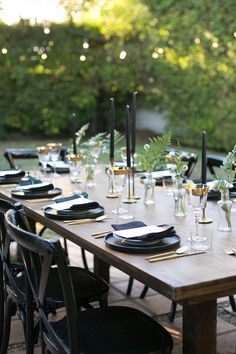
(39, 255)
(14, 153)
(10, 262)
(191, 161)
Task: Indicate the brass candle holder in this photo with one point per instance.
(129, 199)
(134, 196)
(111, 188)
(204, 219)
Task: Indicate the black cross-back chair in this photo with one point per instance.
(114, 329)
(13, 154)
(13, 293)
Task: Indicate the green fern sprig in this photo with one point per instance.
(153, 155)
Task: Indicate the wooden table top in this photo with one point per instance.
(192, 279)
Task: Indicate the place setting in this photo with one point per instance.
(11, 176)
(75, 209)
(39, 190)
(137, 237)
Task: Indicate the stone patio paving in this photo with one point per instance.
(153, 304)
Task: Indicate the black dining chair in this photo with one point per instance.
(115, 329)
(12, 154)
(13, 293)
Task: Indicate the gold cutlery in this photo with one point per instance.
(84, 221)
(101, 236)
(39, 200)
(158, 259)
(101, 233)
(178, 251)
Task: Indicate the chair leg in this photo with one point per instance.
(144, 292)
(130, 285)
(10, 310)
(232, 303)
(103, 301)
(84, 259)
(172, 311)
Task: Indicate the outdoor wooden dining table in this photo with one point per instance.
(195, 282)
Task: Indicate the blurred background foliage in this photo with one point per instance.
(179, 55)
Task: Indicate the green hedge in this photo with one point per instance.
(192, 81)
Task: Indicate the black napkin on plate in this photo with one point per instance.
(71, 197)
(168, 232)
(7, 175)
(36, 188)
(80, 208)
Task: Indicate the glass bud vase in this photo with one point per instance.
(224, 210)
(179, 198)
(90, 172)
(149, 189)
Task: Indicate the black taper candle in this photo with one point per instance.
(127, 136)
(203, 157)
(112, 125)
(133, 127)
(73, 116)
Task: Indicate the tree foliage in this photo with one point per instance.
(179, 55)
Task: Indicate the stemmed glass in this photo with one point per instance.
(54, 152)
(74, 165)
(120, 176)
(43, 155)
(197, 197)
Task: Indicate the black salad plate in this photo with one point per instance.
(158, 246)
(36, 195)
(74, 214)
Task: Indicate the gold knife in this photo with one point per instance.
(163, 258)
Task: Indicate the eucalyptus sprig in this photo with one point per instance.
(153, 154)
(224, 183)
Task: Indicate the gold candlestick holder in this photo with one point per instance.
(111, 188)
(204, 219)
(129, 199)
(134, 196)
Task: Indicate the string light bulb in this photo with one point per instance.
(82, 58)
(123, 54)
(4, 50)
(85, 44)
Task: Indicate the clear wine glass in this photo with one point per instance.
(120, 176)
(43, 155)
(197, 197)
(54, 152)
(74, 166)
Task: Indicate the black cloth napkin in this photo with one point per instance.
(79, 208)
(37, 189)
(168, 232)
(18, 174)
(71, 197)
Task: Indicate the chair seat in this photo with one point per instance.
(118, 329)
(87, 286)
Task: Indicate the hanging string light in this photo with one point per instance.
(123, 54)
(85, 44)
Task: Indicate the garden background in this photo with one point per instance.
(179, 55)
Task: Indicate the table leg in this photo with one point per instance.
(102, 268)
(199, 328)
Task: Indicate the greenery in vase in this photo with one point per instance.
(224, 183)
(153, 154)
(177, 160)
